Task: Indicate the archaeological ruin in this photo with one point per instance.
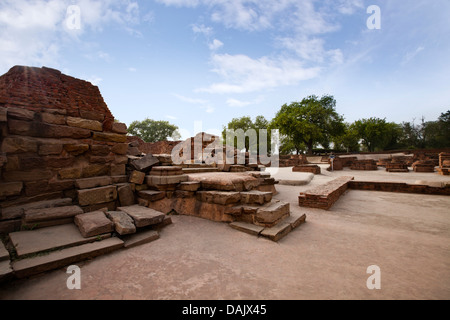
(74, 185)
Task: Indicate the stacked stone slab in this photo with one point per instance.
(55, 129)
(368, 164)
(444, 163)
(423, 166)
(315, 169)
(324, 196)
(397, 165)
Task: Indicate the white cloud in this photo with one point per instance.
(235, 103)
(215, 44)
(171, 117)
(204, 104)
(202, 29)
(35, 32)
(244, 74)
(411, 55)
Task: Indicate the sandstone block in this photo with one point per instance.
(93, 223)
(50, 149)
(120, 148)
(256, 197)
(109, 137)
(123, 223)
(117, 170)
(151, 195)
(137, 177)
(166, 180)
(140, 238)
(21, 114)
(70, 173)
(10, 189)
(84, 123)
(219, 197)
(126, 195)
(45, 214)
(26, 176)
(3, 112)
(19, 145)
(13, 212)
(93, 182)
(271, 214)
(119, 179)
(189, 186)
(76, 149)
(97, 195)
(145, 163)
(143, 216)
(100, 150)
(92, 115)
(118, 127)
(94, 170)
(53, 118)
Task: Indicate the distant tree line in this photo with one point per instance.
(313, 124)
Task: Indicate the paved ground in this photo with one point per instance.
(406, 235)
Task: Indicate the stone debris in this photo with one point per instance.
(143, 216)
(93, 224)
(123, 223)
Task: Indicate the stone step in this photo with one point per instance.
(58, 259)
(278, 231)
(94, 196)
(270, 214)
(140, 238)
(151, 195)
(4, 254)
(256, 197)
(93, 224)
(247, 227)
(39, 215)
(123, 223)
(219, 197)
(200, 170)
(143, 216)
(51, 238)
(6, 271)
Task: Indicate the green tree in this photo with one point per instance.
(245, 123)
(377, 134)
(349, 140)
(310, 122)
(437, 133)
(152, 131)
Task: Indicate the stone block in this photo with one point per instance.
(145, 163)
(100, 150)
(16, 211)
(19, 145)
(21, 114)
(92, 115)
(247, 227)
(45, 214)
(123, 223)
(26, 176)
(137, 177)
(189, 186)
(109, 137)
(95, 170)
(3, 112)
(140, 238)
(53, 118)
(126, 195)
(84, 123)
(120, 148)
(50, 149)
(88, 197)
(76, 149)
(256, 197)
(271, 214)
(93, 182)
(93, 223)
(151, 195)
(143, 216)
(119, 179)
(119, 159)
(59, 162)
(277, 232)
(45, 130)
(58, 259)
(117, 170)
(118, 127)
(219, 197)
(10, 189)
(70, 173)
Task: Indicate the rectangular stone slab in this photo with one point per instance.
(6, 271)
(27, 267)
(140, 238)
(4, 254)
(93, 182)
(278, 231)
(143, 216)
(97, 195)
(123, 223)
(38, 215)
(93, 224)
(28, 242)
(247, 227)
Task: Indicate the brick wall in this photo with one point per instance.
(54, 129)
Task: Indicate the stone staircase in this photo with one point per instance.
(52, 244)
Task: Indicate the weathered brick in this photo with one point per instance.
(40, 129)
(100, 150)
(84, 123)
(94, 170)
(59, 162)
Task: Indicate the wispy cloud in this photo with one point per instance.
(409, 56)
(201, 103)
(215, 44)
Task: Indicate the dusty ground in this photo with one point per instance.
(406, 235)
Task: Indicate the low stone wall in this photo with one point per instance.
(315, 169)
(324, 196)
(398, 187)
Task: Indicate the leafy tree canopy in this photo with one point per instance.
(153, 131)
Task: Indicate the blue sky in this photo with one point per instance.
(208, 61)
